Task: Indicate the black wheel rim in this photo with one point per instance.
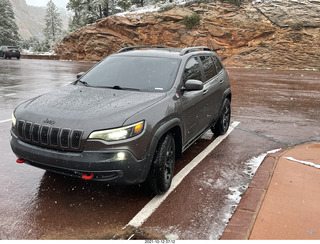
(226, 118)
(169, 162)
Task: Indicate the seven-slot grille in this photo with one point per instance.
(49, 136)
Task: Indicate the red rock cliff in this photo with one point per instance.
(274, 34)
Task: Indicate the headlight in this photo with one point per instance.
(14, 121)
(119, 133)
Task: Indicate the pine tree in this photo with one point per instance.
(53, 23)
(89, 11)
(8, 27)
(77, 7)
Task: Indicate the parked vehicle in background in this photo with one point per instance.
(9, 52)
(128, 118)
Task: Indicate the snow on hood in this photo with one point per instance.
(86, 106)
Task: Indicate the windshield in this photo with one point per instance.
(138, 73)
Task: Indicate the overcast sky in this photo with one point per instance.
(43, 3)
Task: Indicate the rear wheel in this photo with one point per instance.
(223, 123)
(161, 172)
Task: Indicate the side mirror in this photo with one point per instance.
(80, 74)
(193, 85)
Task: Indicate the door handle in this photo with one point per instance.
(221, 81)
(205, 92)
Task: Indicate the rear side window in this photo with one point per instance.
(218, 64)
(208, 66)
(192, 70)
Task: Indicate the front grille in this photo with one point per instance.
(65, 138)
(75, 139)
(54, 136)
(35, 133)
(47, 136)
(44, 134)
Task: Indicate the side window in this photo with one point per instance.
(192, 70)
(218, 64)
(208, 66)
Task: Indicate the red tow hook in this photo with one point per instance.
(87, 177)
(20, 160)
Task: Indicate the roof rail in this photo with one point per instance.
(126, 49)
(193, 49)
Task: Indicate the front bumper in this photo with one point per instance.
(104, 165)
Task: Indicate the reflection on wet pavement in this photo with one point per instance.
(274, 108)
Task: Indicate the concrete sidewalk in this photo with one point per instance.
(282, 201)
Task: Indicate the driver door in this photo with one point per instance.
(193, 110)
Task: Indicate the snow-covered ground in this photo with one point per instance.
(151, 8)
(303, 162)
(236, 192)
(28, 52)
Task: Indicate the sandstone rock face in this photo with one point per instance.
(285, 13)
(249, 35)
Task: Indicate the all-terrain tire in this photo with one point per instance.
(222, 125)
(161, 171)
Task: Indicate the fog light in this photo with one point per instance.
(121, 155)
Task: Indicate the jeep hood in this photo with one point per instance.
(86, 108)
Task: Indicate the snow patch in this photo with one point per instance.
(236, 192)
(137, 11)
(254, 163)
(257, 1)
(150, 8)
(260, 1)
(303, 162)
(29, 52)
(172, 237)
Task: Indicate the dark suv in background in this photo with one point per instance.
(128, 118)
(9, 52)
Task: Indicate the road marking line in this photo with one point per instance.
(4, 121)
(154, 203)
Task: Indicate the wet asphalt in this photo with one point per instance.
(276, 109)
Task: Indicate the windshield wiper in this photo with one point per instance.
(125, 88)
(83, 82)
(117, 87)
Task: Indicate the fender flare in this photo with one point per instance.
(226, 94)
(162, 130)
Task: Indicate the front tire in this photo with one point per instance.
(161, 171)
(223, 123)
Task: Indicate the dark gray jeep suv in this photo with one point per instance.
(128, 118)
